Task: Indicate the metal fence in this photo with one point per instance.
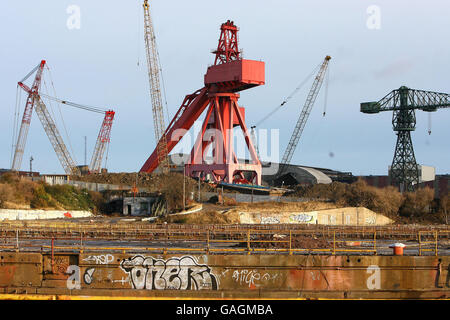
(331, 241)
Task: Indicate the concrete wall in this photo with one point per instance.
(226, 276)
(352, 216)
(139, 205)
(91, 186)
(10, 214)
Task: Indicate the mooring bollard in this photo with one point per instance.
(398, 248)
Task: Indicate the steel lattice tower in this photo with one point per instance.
(403, 102)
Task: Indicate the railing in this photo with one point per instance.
(423, 237)
(247, 241)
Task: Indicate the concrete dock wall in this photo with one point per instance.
(12, 214)
(226, 276)
(351, 216)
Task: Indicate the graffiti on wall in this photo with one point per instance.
(252, 278)
(371, 220)
(100, 259)
(172, 274)
(302, 218)
(269, 220)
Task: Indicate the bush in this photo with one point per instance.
(358, 194)
(444, 208)
(39, 195)
(41, 199)
(6, 194)
(173, 192)
(417, 203)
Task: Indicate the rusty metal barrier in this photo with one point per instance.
(434, 242)
(235, 238)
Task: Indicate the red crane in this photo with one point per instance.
(229, 75)
(34, 100)
(26, 119)
(104, 135)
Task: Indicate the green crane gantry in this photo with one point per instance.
(403, 102)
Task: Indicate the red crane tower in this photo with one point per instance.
(229, 75)
(34, 100)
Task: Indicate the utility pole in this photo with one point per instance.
(85, 150)
(199, 188)
(31, 166)
(184, 188)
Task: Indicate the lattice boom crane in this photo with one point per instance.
(301, 122)
(155, 89)
(34, 101)
(104, 136)
(26, 119)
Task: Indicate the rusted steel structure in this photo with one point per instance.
(225, 276)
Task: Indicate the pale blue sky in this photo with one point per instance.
(97, 65)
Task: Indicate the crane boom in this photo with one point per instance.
(73, 104)
(55, 138)
(155, 89)
(301, 122)
(102, 142)
(26, 119)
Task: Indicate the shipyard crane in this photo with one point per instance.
(34, 101)
(26, 119)
(301, 122)
(219, 96)
(403, 102)
(155, 90)
(104, 136)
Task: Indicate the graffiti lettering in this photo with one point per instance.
(61, 264)
(370, 220)
(301, 218)
(173, 274)
(101, 259)
(88, 275)
(252, 277)
(269, 220)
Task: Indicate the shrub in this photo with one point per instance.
(6, 194)
(41, 199)
(358, 194)
(417, 203)
(444, 208)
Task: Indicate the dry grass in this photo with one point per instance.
(203, 217)
(286, 206)
(21, 193)
(388, 201)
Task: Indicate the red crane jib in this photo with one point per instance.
(229, 75)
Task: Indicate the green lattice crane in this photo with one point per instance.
(403, 102)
